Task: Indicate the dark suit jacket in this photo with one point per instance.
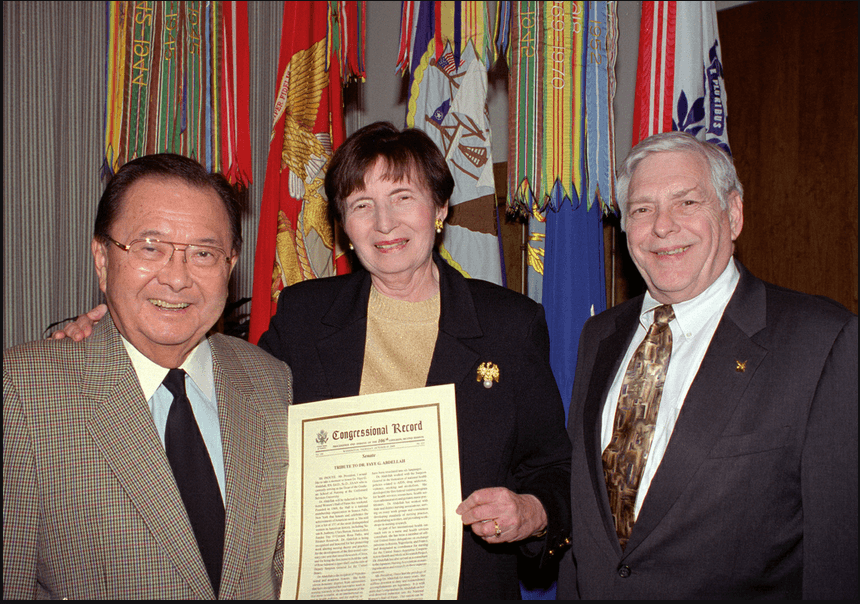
(90, 506)
(756, 495)
(511, 435)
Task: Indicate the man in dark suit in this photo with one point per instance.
(713, 419)
(148, 461)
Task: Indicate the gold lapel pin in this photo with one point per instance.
(741, 366)
(488, 373)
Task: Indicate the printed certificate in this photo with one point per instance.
(372, 487)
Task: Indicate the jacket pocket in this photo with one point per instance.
(755, 442)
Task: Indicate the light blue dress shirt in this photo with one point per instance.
(200, 388)
(694, 325)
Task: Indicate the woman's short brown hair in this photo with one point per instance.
(407, 154)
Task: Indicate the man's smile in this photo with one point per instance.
(673, 251)
(169, 305)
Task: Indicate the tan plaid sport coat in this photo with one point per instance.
(90, 506)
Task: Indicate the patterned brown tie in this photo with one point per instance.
(635, 418)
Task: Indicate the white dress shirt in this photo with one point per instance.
(692, 328)
(200, 388)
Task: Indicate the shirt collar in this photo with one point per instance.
(198, 365)
(693, 314)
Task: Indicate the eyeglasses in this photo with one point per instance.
(152, 255)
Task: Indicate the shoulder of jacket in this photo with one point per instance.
(484, 292)
(247, 353)
(794, 302)
(312, 294)
(43, 354)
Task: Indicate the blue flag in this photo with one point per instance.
(574, 285)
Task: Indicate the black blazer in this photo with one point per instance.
(756, 495)
(511, 435)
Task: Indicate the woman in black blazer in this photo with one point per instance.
(410, 320)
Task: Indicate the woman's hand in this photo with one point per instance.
(82, 327)
(499, 515)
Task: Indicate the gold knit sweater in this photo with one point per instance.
(399, 345)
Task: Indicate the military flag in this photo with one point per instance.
(679, 78)
(561, 172)
(177, 81)
(447, 48)
(557, 152)
(561, 57)
(321, 44)
(574, 279)
(546, 149)
(561, 167)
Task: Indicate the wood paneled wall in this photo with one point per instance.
(790, 72)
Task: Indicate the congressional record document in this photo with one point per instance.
(372, 489)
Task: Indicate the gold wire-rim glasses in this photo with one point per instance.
(155, 263)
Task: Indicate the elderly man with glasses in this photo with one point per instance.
(148, 461)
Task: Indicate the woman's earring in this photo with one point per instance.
(352, 247)
(439, 225)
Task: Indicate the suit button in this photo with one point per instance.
(624, 571)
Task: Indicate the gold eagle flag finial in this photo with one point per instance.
(488, 373)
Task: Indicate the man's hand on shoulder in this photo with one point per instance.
(82, 327)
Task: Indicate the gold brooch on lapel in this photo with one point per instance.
(488, 373)
(741, 366)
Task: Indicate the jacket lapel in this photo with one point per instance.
(709, 404)
(606, 365)
(453, 359)
(347, 322)
(347, 318)
(243, 435)
(122, 428)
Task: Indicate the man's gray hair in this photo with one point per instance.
(724, 177)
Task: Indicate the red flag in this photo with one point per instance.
(655, 71)
(679, 80)
(295, 239)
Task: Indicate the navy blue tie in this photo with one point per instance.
(195, 477)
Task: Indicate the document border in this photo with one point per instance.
(308, 418)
